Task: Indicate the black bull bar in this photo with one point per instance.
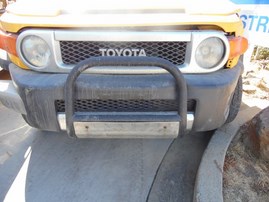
(181, 89)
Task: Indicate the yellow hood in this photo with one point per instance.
(120, 13)
(58, 7)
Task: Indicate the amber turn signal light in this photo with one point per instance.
(238, 46)
(8, 42)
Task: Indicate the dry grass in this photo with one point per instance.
(230, 162)
(261, 186)
(245, 177)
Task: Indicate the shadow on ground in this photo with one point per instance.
(57, 168)
(46, 166)
(177, 173)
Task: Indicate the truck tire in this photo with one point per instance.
(236, 102)
(25, 119)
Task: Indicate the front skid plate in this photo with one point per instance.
(126, 129)
(130, 129)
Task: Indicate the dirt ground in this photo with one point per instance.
(246, 177)
(4, 75)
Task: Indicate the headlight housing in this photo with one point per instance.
(36, 51)
(210, 52)
(41, 49)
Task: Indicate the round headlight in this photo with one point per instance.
(35, 51)
(209, 52)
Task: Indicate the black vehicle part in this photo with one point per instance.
(123, 61)
(236, 101)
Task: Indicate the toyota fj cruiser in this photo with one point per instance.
(123, 68)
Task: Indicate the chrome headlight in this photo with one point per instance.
(210, 52)
(36, 51)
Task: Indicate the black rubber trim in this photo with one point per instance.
(236, 101)
(124, 61)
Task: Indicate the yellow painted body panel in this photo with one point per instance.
(120, 13)
(17, 61)
(13, 23)
(90, 14)
(52, 8)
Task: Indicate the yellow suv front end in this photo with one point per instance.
(123, 69)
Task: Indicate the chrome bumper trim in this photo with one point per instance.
(126, 129)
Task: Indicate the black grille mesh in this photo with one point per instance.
(124, 105)
(76, 51)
